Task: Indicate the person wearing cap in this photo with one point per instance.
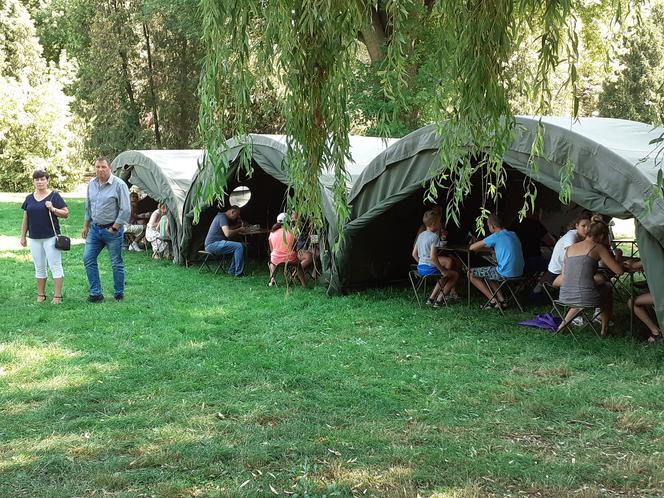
(224, 227)
(107, 211)
(283, 250)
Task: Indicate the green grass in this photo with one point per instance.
(204, 385)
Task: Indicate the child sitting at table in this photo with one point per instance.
(282, 250)
(425, 253)
(509, 258)
(447, 262)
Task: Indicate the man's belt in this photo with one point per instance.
(109, 225)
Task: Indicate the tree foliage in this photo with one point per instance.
(635, 89)
(36, 126)
(460, 51)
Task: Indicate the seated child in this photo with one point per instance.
(509, 257)
(446, 261)
(282, 250)
(425, 253)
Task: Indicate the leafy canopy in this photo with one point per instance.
(307, 46)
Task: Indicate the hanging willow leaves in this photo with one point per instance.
(307, 47)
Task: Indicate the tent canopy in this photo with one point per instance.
(165, 176)
(268, 183)
(614, 171)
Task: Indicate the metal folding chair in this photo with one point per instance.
(513, 284)
(208, 258)
(418, 282)
(289, 273)
(587, 313)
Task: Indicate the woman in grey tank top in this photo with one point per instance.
(580, 286)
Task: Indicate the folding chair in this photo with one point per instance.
(418, 282)
(290, 270)
(587, 313)
(513, 284)
(208, 258)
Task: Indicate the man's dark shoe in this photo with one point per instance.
(96, 299)
(119, 297)
(240, 275)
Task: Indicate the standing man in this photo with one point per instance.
(225, 226)
(107, 210)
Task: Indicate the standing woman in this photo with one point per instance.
(40, 208)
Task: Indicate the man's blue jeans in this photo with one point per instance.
(228, 247)
(98, 238)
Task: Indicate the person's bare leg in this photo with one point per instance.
(41, 290)
(449, 264)
(300, 275)
(57, 292)
(571, 315)
(499, 295)
(272, 268)
(451, 277)
(436, 290)
(557, 282)
(306, 259)
(480, 285)
(640, 304)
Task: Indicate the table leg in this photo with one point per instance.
(468, 275)
(631, 304)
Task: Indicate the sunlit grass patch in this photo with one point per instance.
(205, 385)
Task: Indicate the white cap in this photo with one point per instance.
(281, 217)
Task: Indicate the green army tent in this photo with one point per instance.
(165, 176)
(267, 184)
(615, 167)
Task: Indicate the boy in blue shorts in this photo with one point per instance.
(425, 253)
(509, 257)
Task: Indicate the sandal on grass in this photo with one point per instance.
(430, 302)
(654, 338)
(56, 300)
(41, 298)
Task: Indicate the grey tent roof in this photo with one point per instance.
(614, 162)
(269, 153)
(165, 175)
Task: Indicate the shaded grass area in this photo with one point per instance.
(204, 385)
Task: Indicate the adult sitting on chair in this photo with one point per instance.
(580, 285)
(153, 231)
(136, 228)
(224, 227)
(425, 253)
(577, 234)
(642, 304)
(509, 259)
(282, 250)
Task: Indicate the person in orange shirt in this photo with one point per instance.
(282, 249)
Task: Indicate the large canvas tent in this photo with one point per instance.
(165, 176)
(267, 184)
(614, 172)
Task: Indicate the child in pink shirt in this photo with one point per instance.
(282, 249)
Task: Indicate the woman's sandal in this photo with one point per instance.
(654, 338)
(430, 302)
(56, 300)
(41, 298)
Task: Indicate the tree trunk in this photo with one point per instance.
(153, 96)
(374, 38)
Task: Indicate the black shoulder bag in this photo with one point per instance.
(62, 242)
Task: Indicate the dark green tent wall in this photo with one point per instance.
(614, 172)
(267, 184)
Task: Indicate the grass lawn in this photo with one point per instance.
(204, 385)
